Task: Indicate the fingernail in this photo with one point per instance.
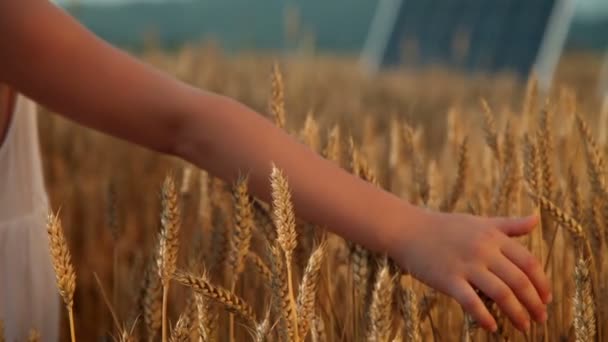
(494, 327)
(527, 326)
(543, 317)
(549, 298)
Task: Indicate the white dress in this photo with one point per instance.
(28, 294)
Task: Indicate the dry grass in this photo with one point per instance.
(421, 134)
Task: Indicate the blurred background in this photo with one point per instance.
(473, 35)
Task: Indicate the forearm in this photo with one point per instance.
(225, 138)
(67, 69)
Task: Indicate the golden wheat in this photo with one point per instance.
(64, 271)
(432, 153)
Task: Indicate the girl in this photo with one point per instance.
(46, 56)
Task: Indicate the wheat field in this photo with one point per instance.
(149, 248)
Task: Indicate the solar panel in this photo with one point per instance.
(471, 34)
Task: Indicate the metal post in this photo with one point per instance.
(553, 43)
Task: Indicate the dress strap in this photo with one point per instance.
(7, 109)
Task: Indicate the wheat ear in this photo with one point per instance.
(241, 238)
(64, 271)
(284, 218)
(285, 222)
(574, 228)
(231, 302)
(584, 305)
(408, 305)
(380, 308)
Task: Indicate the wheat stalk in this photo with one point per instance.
(168, 243)
(263, 221)
(259, 264)
(310, 133)
(514, 174)
(241, 238)
(283, 295)
(277, 102)
(408, 305)
(203, 321)
(545, 148)
(62, 263)
(263, 328)
(333, 150)
(181, 331)
(459, 186)
(184, 189)
(151, 299)
(361, 270)
(318, 333)
(127, 335)
(34, 336)
(530, 105)
(532, 171)
(308, 289)
(489, 129)
(468, 328)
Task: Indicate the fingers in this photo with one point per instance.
(464, 294)
(527, 263)
(502, 295)
(521, 286)
(516, 226)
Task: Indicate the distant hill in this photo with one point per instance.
(589, 35)
(237, 24)
(338, 25)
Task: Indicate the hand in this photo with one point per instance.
(458, 253)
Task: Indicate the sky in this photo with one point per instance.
(586, 9)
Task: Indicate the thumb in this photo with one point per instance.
(516, 226)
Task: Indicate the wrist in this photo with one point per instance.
(406, 223)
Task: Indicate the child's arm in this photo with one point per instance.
(46, 55)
